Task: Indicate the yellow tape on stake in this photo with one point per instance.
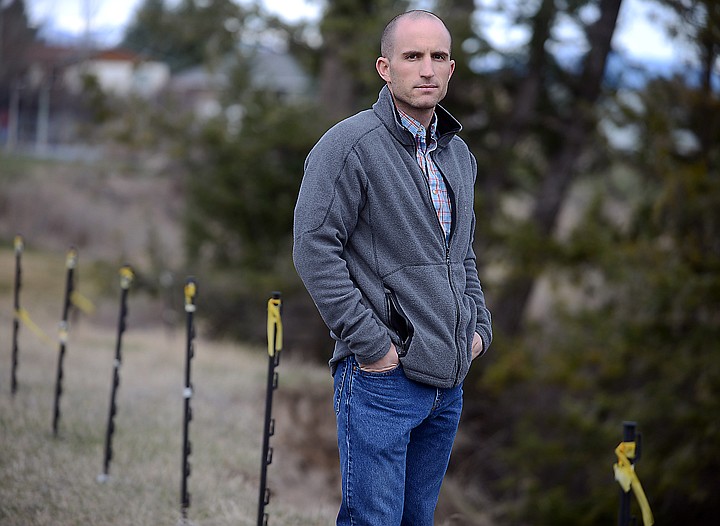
(628, 479)
(274, 326)
(82, 303)
(71, 258)
(190, 292)
(24, 317)
(126, 276)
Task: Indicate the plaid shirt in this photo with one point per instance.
(436, 182)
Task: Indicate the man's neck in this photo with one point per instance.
(423, 116)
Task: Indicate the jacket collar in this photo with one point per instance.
(384, 108)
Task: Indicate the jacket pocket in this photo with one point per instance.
(398, 321)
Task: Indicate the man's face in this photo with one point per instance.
(419, 67)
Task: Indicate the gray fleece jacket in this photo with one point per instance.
(371, 252)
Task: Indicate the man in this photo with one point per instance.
(383, 236)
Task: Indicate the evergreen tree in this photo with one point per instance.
(351, 31)
(189, 34)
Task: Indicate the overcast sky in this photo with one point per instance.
(638, 35)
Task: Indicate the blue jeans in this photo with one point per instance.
(394, 437)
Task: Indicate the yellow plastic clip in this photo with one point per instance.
(190, 292)
(274, 326)
(63, 332)
(628, 479)
(71, 258)
(126, 276)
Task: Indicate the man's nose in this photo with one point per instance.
(426, 67)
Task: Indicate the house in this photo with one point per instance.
(44, 105)
(33, 93)
(119, 72)
(200, 89)
(278, 72)
(274, 71)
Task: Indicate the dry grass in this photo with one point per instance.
(112, 215)
(108, 210)
(47, 480)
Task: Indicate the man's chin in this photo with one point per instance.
(425, 103)
(428, 100)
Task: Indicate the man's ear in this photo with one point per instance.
(382, 65)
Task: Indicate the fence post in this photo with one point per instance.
(126, 278)
(628, 453)
(19, 246)
(274, 335)
(190, 295)
(624, 518)
(70, 263)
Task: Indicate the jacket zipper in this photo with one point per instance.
(446, 243)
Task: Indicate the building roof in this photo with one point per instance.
(118, 55)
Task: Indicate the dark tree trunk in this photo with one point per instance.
(509, 310)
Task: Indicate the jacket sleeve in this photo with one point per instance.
(473, 286)
(331, 197)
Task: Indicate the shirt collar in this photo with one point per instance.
(417, 129)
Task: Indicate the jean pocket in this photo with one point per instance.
(339, 380)
(380, 372)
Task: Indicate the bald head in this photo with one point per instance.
(387, 41)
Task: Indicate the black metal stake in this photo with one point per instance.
(70, 263)
(190, 294)
(126, 278)
(274, 330)
(19, 245)
(624, 518)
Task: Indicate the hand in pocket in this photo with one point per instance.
(387, 363)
